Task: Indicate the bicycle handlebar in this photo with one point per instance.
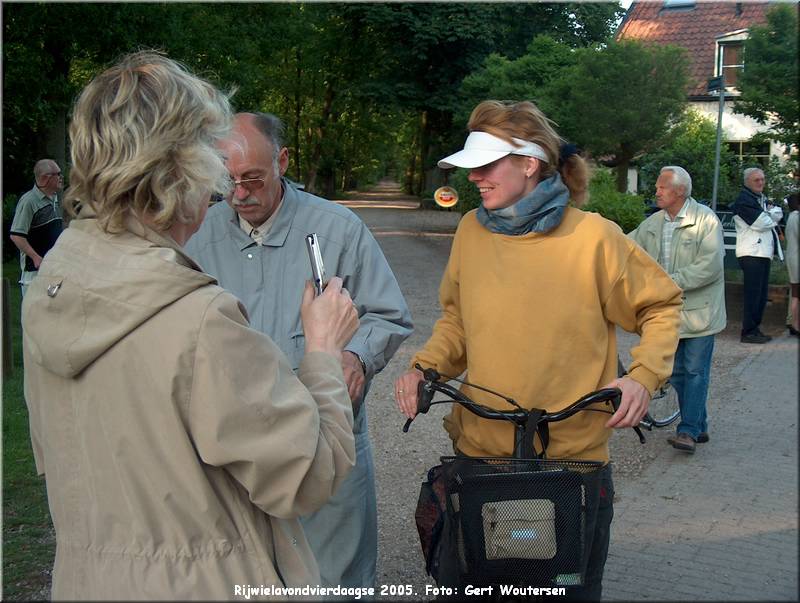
(431, 383)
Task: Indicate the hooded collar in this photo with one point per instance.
(94, 288)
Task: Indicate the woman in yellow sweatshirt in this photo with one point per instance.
(531, 296)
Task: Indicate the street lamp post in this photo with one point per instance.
(718, 84)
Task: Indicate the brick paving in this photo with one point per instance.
(721, 524)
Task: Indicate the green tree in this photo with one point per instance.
(769, 81)
(691, 144)
(434, 46)
(51, 50)
(362, 86)
(525, 78)
(619, 100)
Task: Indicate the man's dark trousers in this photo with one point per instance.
(756, 285)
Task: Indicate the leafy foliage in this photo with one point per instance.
(618, 101)
(769, 82)
(468, 196)
(691, 144)
(625, 209)
(780, 181)
(364, 87)
(525, 78)
(9, 206)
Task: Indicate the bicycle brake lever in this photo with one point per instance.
(430, 374)
(615, 405)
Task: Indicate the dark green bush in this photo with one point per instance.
(691, 144)
(468, 195)
(625, 209)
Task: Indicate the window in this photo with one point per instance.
(730, 57)
(679, 4)
(750, 153)
(731, 62)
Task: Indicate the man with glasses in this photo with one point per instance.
(38, 219)
(757, 222)
(255, 246)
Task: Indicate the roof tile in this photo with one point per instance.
(694, 28)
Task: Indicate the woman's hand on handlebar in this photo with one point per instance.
(633, 404)
(405, 392)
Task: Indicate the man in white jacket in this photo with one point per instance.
(756, 242)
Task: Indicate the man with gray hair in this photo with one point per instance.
(38, 219)
(686, 239)
(255, 246)
(756, 220)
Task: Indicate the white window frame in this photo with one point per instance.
(740, 35)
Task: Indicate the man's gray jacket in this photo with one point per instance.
(269, 279)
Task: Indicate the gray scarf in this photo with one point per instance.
(540, 210)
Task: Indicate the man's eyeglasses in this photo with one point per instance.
(250, 184)
(56, 174)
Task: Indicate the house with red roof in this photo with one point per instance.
(713, 33)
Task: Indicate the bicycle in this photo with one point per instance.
(509, 520)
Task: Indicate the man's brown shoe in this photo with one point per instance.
(682, 441)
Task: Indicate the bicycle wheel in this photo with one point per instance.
(664, 409)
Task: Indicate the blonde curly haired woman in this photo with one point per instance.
(178, 446)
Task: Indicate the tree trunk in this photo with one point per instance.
(411, 166)
(55, 142)
(328, 181)
(316, 153)
(297, 114)
(54, 145)
(424, 142)
(622, 175)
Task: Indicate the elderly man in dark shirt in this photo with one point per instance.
(37, 219)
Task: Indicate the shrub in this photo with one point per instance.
(691, 144)
(625, 209)
(468, 195)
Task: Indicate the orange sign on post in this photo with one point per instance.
(445, 196)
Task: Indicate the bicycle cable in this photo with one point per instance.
(467, 383)
(487, 390)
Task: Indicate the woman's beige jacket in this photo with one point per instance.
(178, 446)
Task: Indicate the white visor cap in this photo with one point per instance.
(482, 148)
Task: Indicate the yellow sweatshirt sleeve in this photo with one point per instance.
(645, 300)
(446, 350)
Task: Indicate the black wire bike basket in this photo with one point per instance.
(517, 521)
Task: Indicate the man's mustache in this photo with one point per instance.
(245, 202)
